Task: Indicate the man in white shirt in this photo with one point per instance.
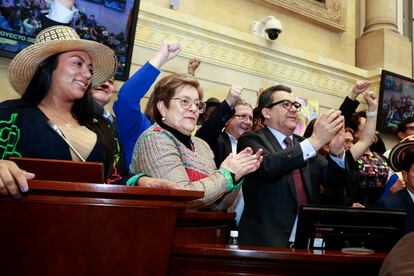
(239, 123)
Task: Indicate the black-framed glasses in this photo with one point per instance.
(244, 117)
(186, 104)
(286, 104)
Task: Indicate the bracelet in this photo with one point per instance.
(227, 175)
(238, 184)
(371, 114)
(133, 180)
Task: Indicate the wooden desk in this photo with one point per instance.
(203, 227)
(62, 228)
(214, 259)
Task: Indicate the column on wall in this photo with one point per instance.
(381, 45)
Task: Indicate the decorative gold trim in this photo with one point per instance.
(242, 52)
(330, 13)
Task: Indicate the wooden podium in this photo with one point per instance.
(67, 228)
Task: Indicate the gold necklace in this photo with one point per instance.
(67, 122)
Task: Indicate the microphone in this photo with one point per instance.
(55, 128)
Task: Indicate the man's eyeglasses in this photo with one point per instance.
(286, 105)
(244, 117)
(186, 104)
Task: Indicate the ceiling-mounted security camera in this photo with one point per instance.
(269, 25)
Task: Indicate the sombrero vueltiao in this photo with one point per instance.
(59, 39)
(399, 151)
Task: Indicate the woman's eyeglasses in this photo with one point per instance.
(286, 105)
(186, 104)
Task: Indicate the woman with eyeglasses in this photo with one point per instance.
(168, 150)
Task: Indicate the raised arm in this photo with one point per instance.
(131, 121)
(193, 65)
(350, 103)
(211, 129)
(368, 133)
(167, 52)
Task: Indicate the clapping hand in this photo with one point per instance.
(326, 128)
(243, 163)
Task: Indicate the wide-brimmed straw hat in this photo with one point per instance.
(399, 151)
(54, 40)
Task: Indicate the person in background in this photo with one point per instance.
(212, 128)
(395, 180)
(402, 159)
(257, 119)
(357, 121)
(368, 170)
(226, 144)
(187, 160)
(211, 105)
(373, 170)
(291, 171)
(102, 94)
(349, 138)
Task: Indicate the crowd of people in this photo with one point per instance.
(245, 159)
(26, 17)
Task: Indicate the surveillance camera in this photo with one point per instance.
(273, 33)
(269, 25)
(273, 28)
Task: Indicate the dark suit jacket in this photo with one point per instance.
(222, 148)
(269, 194)
(400, 200)
(211, 132)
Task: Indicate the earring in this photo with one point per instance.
(163, 118)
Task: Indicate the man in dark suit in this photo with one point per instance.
(239, 123)
(402, 159)
(291, 172)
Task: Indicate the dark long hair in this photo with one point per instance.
(82, 109)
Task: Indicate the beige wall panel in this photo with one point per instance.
(317, 63)
(298, 32)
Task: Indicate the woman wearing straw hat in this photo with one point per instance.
(402, 159)
(53, 77)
